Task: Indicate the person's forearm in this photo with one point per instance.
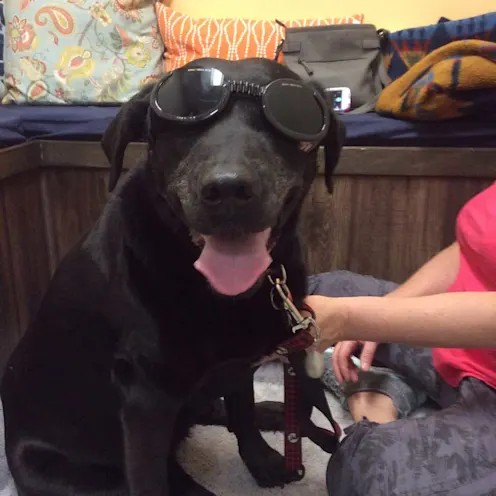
(450, 320)
(435, 277)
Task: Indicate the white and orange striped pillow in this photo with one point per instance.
(187, 38)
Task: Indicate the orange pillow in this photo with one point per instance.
(187, 38)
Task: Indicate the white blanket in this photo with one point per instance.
(210, 454)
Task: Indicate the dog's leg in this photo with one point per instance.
(269, 415)
(148, 420)
(182, 484)
(148, 431)
(264, 463)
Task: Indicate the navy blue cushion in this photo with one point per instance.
(11, 132)
(89, 123)
(19, 123)
(64, 122)
(374, 130)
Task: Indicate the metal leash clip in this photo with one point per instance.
(314, 362)
(298, 321)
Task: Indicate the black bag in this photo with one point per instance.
(340, 55)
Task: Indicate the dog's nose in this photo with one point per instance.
(227, 184)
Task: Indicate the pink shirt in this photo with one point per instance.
(476, 235)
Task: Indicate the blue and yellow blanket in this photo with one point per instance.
(408, 46)
(455, 80)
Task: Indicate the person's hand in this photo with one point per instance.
(330, 316)
(344, 368)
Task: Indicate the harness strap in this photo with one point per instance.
(292, 426)
(301, 395)
(312, 395)
(301, 392)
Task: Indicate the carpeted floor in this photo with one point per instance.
(7, 487)
(210, 454)
(211, 457)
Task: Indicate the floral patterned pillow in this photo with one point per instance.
(80, 51)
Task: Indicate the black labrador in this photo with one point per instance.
(164, 306)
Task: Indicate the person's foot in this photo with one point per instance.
(384, 381)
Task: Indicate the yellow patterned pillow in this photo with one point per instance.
(80, 51)
(186, 38)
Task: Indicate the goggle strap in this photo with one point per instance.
(246, 88)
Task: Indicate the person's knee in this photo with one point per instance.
(340, 283)
(348, 468)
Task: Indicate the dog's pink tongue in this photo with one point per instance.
(234, 266)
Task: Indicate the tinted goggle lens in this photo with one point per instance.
(190, 94)
(295, 108)
(195, 94)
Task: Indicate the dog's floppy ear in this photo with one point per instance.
(333, 143)
(129, 125)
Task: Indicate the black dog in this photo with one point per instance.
(132, 342)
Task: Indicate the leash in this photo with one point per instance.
(303, 367)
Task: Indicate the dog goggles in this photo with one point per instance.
(192, 95)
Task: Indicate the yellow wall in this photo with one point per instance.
(389, 14)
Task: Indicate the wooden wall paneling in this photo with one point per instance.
(411, 242)
(9, 319)
(27, 242)
(460, 190)
(324, 225)
(338, 213)
(435, 213)
(382, 226)
(399, 233)
(72, 200)
(369, 226)
(434, 207)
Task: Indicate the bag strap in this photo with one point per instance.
(366, 107)
(383, 35)
(280, 47)
(381, 73)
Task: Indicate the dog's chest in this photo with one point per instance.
(212, 352)
(207, 344)
(215, 341)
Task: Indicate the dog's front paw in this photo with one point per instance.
(265, 464)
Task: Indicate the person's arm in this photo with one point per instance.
(429, 321)
(450, 320)
(422, 314)
(434, 277)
